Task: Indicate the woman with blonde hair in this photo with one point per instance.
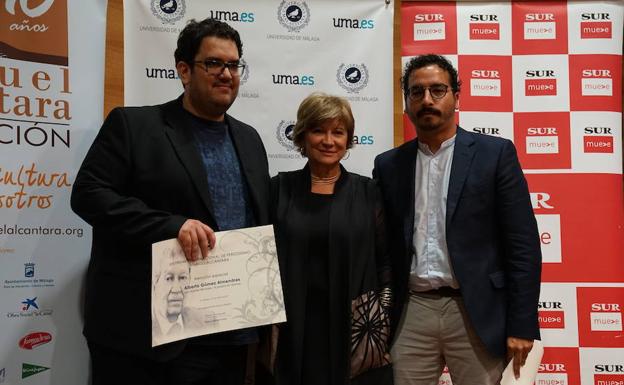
(335, 270)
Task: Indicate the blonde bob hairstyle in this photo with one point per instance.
(317, 108)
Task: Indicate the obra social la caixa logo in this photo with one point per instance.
(293, 15)
(29, 308)
(35, 31)
(35, 339)
(352, 77)
(168, 11)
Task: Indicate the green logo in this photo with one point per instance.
(30, 370)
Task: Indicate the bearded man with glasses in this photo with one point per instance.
(183, 169)
(463, 240)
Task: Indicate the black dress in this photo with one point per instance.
(316, 344)
(332, 254)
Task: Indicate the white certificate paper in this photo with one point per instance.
(528, 372)
(237, 286)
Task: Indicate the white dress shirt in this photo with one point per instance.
(431, 264)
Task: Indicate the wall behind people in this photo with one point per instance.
(51, 76)
(548, 76)
(291, 49)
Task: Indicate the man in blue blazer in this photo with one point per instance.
(183, 169)
(463, 239)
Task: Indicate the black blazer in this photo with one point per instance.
(491, 233)
(141, 179)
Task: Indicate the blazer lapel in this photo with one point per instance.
(462, 160)
(406, 177)
(184, 143)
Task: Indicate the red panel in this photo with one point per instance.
(428, 27)
(600, 314)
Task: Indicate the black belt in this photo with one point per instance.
(444, 291)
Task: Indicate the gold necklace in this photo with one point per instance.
(326, 180)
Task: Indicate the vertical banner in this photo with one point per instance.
(291, 49)
(548, 76)
(50, 109)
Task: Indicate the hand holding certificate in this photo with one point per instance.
(237, 286)
(528, 372)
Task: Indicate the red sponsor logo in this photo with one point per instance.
(539, 27)
(35, 339)
(484, 31)
(596, 82)
(551, 319)
(489, 83)
(602, 144)
(596, 30)
(428, 26)
(600, 317)
(543, 139)
(540, 87)
(559, 366)
(608, 379)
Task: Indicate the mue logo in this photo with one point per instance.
(539, 26)
(596, 25)
(596, 82)
(540, 83)
(429, 26)
(543, 139)
(484, 27)
(600, 316)
(551, 315)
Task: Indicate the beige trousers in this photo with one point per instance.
(435, 331)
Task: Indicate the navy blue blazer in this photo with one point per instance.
(491, 234)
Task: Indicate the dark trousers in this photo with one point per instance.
(198, 364)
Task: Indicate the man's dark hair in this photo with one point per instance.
(425, 60)
(192, 35)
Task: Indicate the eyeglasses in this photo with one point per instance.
(437, 91)
(216, 66)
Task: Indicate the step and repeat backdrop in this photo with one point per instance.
(291, 48)
(51, 95)
(548, 76)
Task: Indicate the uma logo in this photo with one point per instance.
(284, 134)
(243, 17)
(598, 139)
(540, 83)
(352, 77)
(297, 80)
(596, 26)
(168, 11)
(429, 26)
(30, 12)
(293, 15)
(353, 23)
(596, 82)
(484, 27)
(485, 83)
(540, 26)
